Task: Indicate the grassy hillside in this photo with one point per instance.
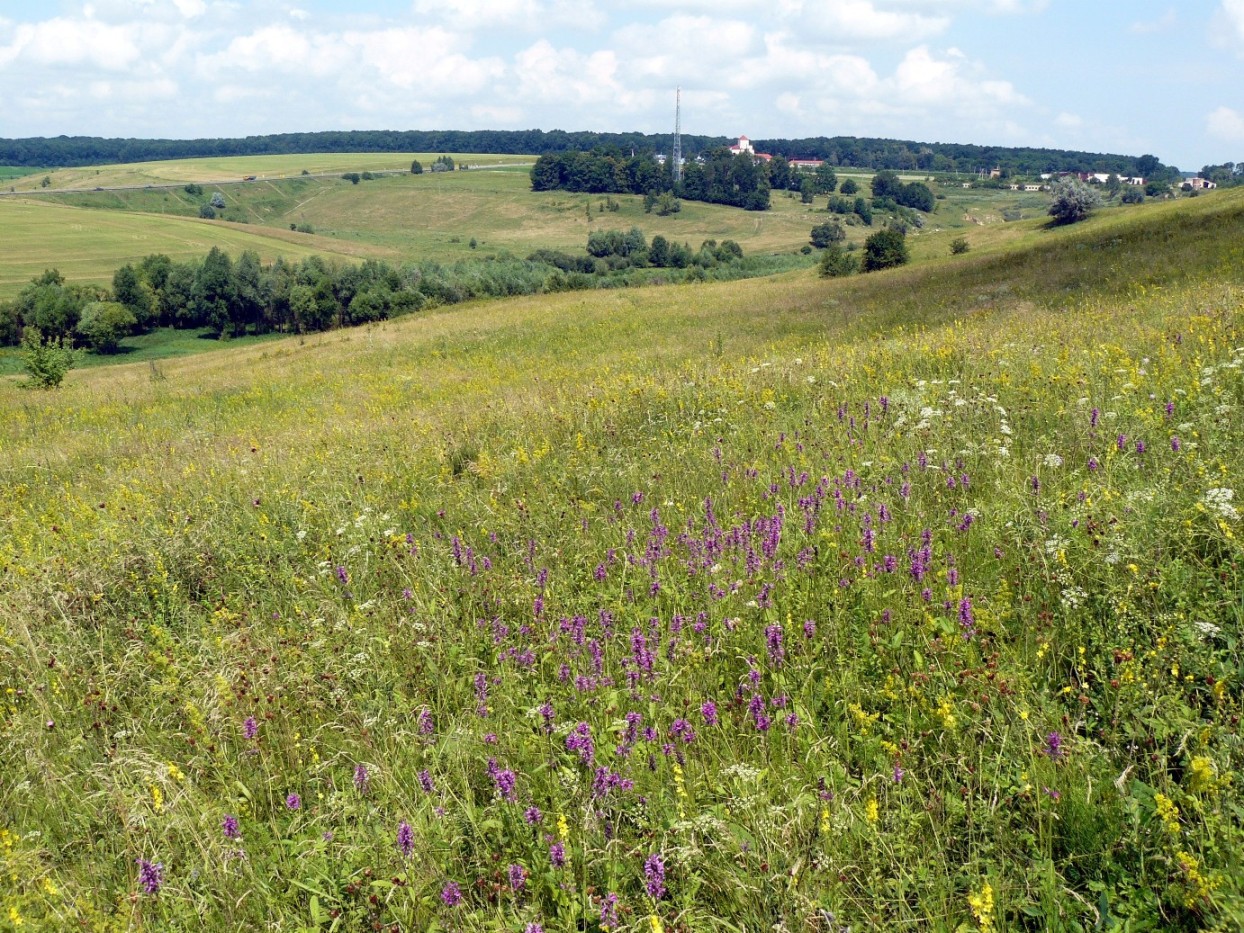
(88, 246)
(905, 601)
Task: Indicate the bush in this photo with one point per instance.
(45, 361)
(193, 190)
(416, 167)
(104, 324)
(207, 212)
(850, 186)
(827, 233)
(885, 249)
(836, 262)
(958, 246)
(218, 201)
(1073, 201)
(352, 177)
(1133, 195)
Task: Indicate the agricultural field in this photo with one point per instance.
(229, 169)
(903, 601)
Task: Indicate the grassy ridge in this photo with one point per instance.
(260, 570)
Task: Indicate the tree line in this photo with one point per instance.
(235, 297)
(844, 151)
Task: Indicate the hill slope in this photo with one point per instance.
(913, 599)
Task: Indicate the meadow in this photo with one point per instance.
(905, 601)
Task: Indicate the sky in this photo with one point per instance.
(1145, 76)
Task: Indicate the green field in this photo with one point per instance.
(911, 600)
(88, 245)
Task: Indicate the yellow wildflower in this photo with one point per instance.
(824, 821)
(1203, 780)
(157, 798)
(872, 811)
(982, 907)
(175, 772)
(1167, 812)
(563, 828)
(656, 924)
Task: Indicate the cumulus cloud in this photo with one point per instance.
(1233, 13)
(1226, 124)
(73, 42)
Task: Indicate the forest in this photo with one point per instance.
(846, 151)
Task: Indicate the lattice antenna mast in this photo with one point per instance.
(677, 154)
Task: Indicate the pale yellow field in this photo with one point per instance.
(235, 168)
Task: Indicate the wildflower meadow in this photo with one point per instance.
(905, 602)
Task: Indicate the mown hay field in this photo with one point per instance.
(905, 601)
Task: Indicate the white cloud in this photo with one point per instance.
(190, 8)
(1233, 12)
(1226, 124)
(73, 42)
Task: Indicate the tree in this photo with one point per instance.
(807, 190)
(667, 204)
(824, 178)
(1073, 201)
(416, 167)
(1156, 189)
(779, 173)
(104, 324)
(45, 361)
(129, 289)
(1133, 195)
(885, 249)
(217, 201)
(827, 233)
(207, 212)
(1113, 185)
(849, 187)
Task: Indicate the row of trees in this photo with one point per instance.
(845, 151)
(245, 296)
(720, 178)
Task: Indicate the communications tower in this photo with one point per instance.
(677, 154)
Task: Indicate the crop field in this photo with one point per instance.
(234, 168)
(904, 601)
(88, 246)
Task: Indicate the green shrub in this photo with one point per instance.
(885, 249)
(45, 361)
(958, 246)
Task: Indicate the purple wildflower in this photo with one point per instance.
(967, 621)
(506, 785)
(533, 816)
(230, 827)
(425, 781)
(405, 839)
(1054, 746)
(1176, 444)
(557, 855)
(609, 912)
(1121, 441)
(654, 876)
(898, 774)
(426, 724)
(773, 640)
(533, 928)
(580, 741)
(362, 779)
(150, 875)
(709, 711)
(451, 894)
(293, 802)
(250, 729)
(518, 878)
(343, 575)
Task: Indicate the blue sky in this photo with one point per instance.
(1142, 76)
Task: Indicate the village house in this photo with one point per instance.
(1201, 184)
(745, 145)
